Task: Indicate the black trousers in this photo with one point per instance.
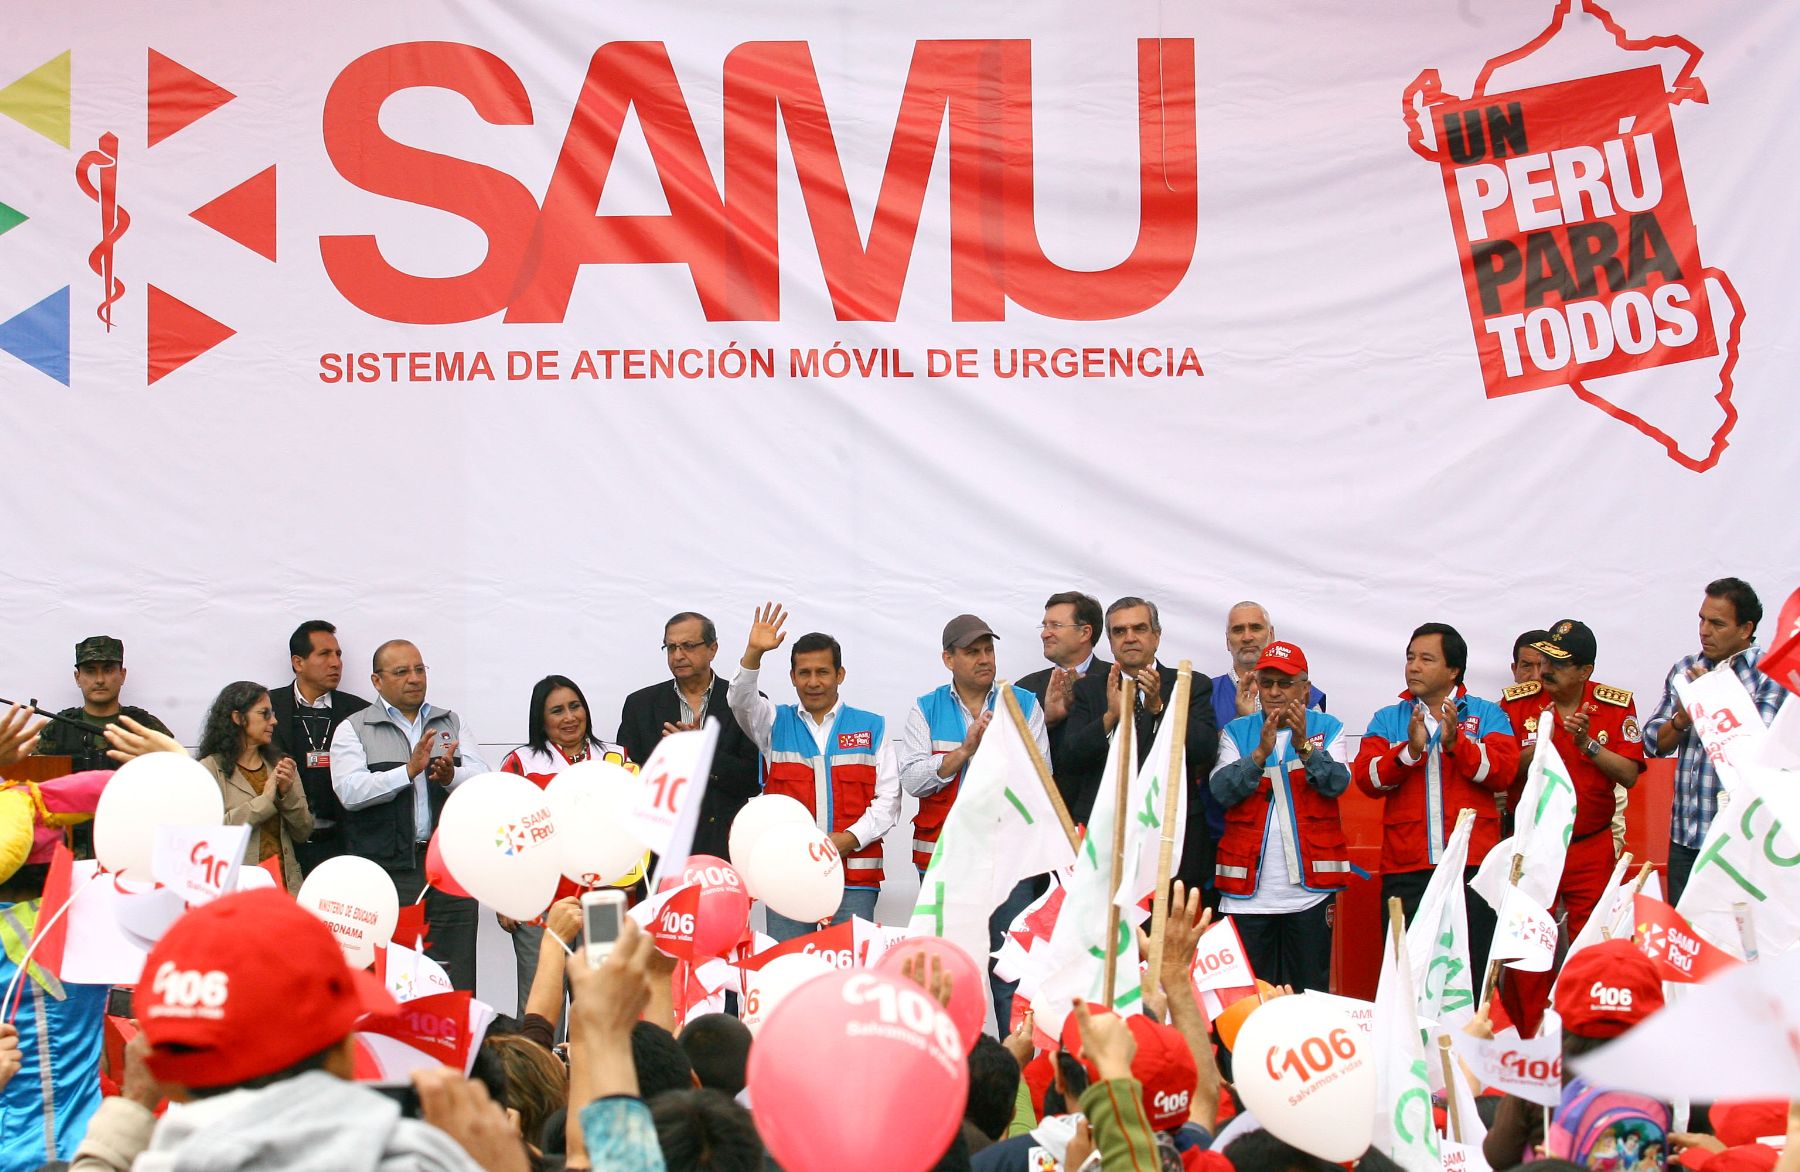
(1409, 886)
(451, 922)
(1289, 948)
(327, 843)
(1681, 865)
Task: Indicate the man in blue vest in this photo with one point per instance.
(943, 730)
(835, 760)
(393, 765)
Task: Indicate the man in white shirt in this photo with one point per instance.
(393, 765)
(835, 760)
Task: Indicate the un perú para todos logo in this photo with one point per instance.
(1578, 251)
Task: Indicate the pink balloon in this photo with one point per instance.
(858, 1036)
(724, 906)
(437, 874)
(968, 986)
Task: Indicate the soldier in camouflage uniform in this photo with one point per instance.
(100, 673)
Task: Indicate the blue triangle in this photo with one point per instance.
(40, 335)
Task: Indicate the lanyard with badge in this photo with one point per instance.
(318, 748)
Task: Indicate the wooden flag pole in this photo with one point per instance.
(1450, 1087)
(1643, 877)
(1165, 855)
(1493, 973)
(1038, 763)
(1121, 811)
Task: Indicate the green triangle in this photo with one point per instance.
(40, 100)
(10, 218)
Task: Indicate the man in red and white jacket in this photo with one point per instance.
(1435, 752)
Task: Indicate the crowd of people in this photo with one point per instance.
(318, 772)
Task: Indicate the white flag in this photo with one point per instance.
(1437, 941)
(672, 784)
(1736, 1036)
(1076, 962)
(1544, 823)
(1144, 831)
(1000, 830)
(1220, 961)
(1747, 857)
(1530, 1068)
(1404, 1128)
(200, 863)
(1524, 934)
(1725, 717)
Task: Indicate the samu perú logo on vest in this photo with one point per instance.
(1578, 251)
(176, 333)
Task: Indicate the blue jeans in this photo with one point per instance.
(858, 901)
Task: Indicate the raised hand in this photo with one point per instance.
(1416, 734)
(1265, 744)
(442, 769)
(18, 734)
(1449, 724)
(130, 739)
(1058, 694)
(765, 634)
(1150, 689)
(1246, 694)
(1296, 720)
(421, 754)
(285, 775)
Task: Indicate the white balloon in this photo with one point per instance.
(591, 802)
(498, 837)
(770, 985)
(357, 901)
(1305, 1070)
(756, 816)
(795, 870)
(156, 789)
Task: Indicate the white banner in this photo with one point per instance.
(1528, 1067)
(514, 330)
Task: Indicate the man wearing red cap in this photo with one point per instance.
(1283, 855)
(248, 1009)
(1596, 733)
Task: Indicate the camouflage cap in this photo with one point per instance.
(99, 649)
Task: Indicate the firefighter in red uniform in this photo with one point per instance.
(1595, 730)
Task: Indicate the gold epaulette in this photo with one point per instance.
(1520, 691)
(1607, 694)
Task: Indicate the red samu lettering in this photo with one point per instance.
(974, 94)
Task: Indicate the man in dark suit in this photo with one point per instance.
(307, 712)
(1071, 627)
(1134, 631)
(690, 641)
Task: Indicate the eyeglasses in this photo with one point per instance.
(685, 648)
(403, 672)
(1050, 626)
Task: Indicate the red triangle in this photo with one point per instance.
(246, 213)
(179, 333)
(179, 97)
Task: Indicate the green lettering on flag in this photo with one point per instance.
(1019, 806)
(1119, 945)
(1148, 816)
(1552, 782)
(934, 910)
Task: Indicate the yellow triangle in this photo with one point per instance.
(40, 100)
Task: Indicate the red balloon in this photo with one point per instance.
(437, 874)
(724, 908)
(858, 1036)
(968, 989)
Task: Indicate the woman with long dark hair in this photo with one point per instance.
(260, 784)
(559, 733)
